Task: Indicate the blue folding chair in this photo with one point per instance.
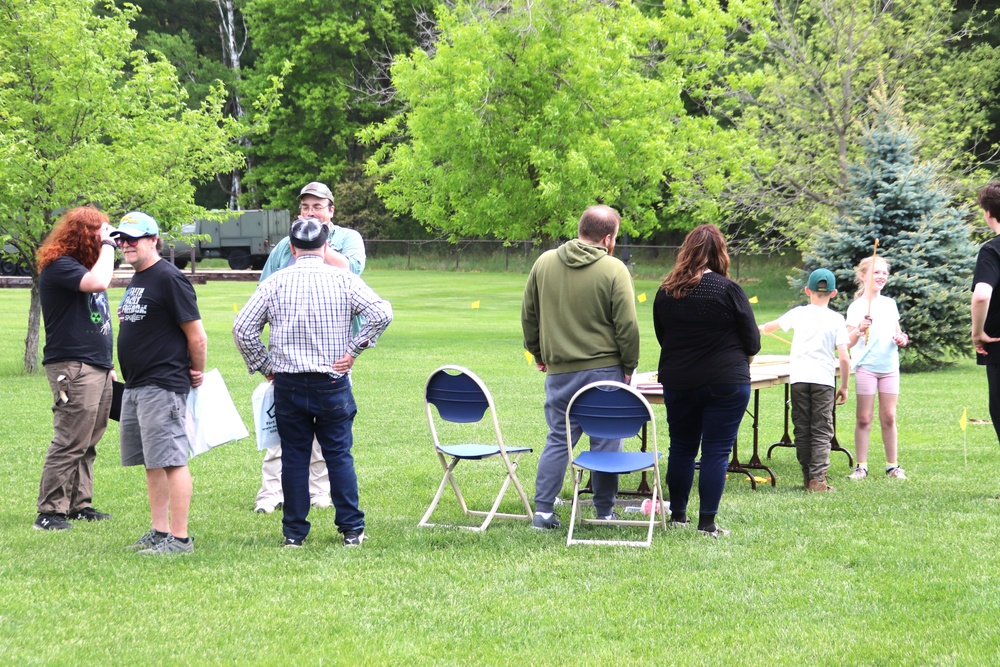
(461, 397)
(613, 410)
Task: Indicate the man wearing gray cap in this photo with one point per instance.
(316, 201)
(311, 348)
(345, 250)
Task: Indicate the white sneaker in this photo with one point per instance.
(859, 473)
(321, 503)
(896, 473)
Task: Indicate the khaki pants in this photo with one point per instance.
(81, 403)
(812, 427)
(270, 494)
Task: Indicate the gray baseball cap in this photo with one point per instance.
(317, 189)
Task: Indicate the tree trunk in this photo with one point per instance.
(34, 323)
(231, 54)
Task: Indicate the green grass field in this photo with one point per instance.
(880, 573)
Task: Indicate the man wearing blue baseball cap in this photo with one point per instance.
(161, 351)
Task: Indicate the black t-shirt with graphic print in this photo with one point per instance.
(152, 347)
(77, 324)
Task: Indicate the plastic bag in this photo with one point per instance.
(263, 416)
(212, 418)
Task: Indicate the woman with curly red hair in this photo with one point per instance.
(75, 264)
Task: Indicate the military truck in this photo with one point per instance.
(245, 239)
(9, 265)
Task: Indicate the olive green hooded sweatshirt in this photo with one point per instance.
(578, 311)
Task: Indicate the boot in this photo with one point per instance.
(819, 484)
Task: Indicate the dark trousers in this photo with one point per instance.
(708, 418)
(311, 405)
(812, 423)
(993, 381)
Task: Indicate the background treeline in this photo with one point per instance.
(748, 114)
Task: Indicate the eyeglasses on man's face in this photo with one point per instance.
(314, 208)
(129, 241)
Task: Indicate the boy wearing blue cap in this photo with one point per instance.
(819, 333)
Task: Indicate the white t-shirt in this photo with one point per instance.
(818, 332)
(881, 354)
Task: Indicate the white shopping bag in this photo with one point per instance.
(212, 418)
(263, 416)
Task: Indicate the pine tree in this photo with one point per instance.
(905, 204)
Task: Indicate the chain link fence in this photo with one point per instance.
(485, 255)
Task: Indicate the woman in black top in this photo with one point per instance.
(707, 335)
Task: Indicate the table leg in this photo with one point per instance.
(786, 439)
(755, 463)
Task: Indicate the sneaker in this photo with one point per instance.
(354, 538)
(264, 509)
(294, 542)
(679, 524)
(715, 532)
(150, 539)
(609, 517)
(88, 514)
(896, 473)
(47, 521)
(321, 503)
(859, 473)
(541, 523)
(170, 546)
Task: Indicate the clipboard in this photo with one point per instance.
(117, 391)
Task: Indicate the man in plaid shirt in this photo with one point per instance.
(309, 307)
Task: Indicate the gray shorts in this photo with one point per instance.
(152, 428)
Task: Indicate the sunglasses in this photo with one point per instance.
(132, 242)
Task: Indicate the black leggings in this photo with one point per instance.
(993, 379)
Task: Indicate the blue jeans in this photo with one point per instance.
(308, 405)
(708, 416)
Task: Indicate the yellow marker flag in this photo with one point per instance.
(641, 298)
(964, 419)
(531, 359)
(752, 299)
(475, 304)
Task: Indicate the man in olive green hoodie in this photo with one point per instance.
(578, 319)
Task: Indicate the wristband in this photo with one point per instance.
(109, 243)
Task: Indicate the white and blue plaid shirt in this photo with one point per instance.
(309, 307)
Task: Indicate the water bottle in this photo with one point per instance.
(647, 506)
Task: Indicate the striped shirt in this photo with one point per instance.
(309, 307)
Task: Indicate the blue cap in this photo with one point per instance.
(822, 280)
(136, 225)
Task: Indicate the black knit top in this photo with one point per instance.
(706, 337)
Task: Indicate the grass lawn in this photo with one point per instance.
(879, 573)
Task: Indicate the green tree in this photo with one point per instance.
(799, 76)
(85, 119)
(207, 42)
(906, 205)
(335, 49)
(520, 116)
